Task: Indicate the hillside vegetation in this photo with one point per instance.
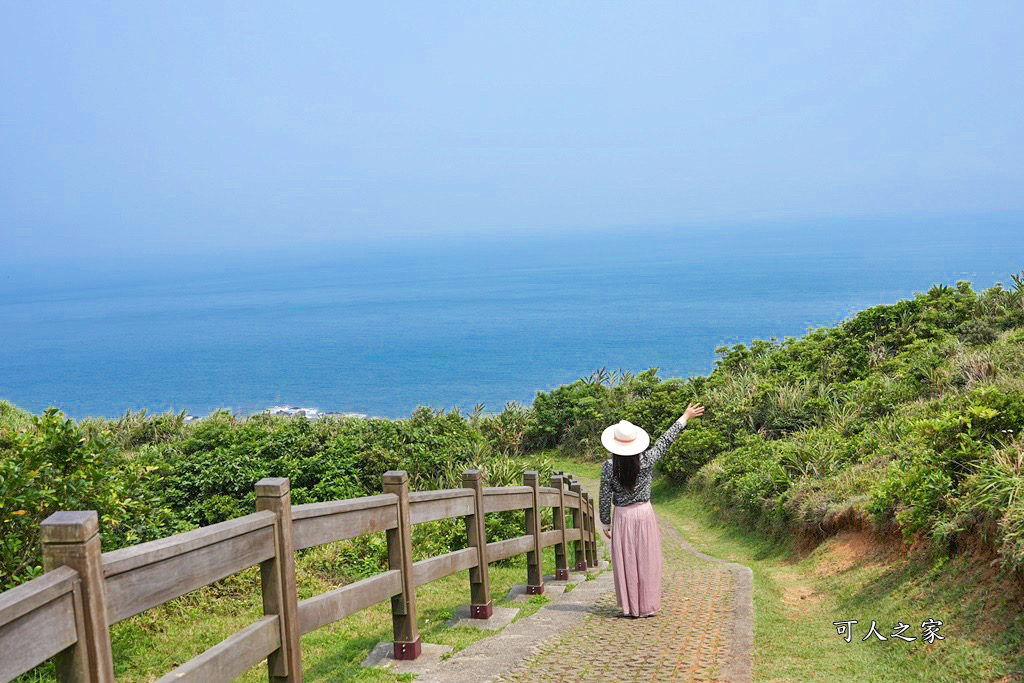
(906, 416)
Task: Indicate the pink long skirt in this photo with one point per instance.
(636, 559)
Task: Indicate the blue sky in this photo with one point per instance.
(146, 128)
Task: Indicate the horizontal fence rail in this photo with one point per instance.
(143, 576)
(66, 613)
(38, 620)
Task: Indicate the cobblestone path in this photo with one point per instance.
(700, 633)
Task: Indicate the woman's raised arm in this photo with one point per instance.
(660, 447)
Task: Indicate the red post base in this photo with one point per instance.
(535, 590)
(408, 650)
(581, 566)
(561, 575)
(481, 611)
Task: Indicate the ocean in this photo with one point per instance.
(380, 326)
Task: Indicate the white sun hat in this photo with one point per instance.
(625, 438)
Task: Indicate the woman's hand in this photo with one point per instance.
(607, 532)
(693, 410)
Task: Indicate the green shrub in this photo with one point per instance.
(213, 469)
(948, 459)
(561, 412)
(987, 493)
(878, 395)
(1011, 529)
(513, 431)
(976, 332)
(51, 465)
(572, 417)
(133, 430)
(783, 408)
(693, 448)
(750, 477)
(656, 405)
(12, 418)
(915, 492)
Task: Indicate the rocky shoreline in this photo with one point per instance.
(296, 411)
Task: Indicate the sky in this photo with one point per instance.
(146, 129)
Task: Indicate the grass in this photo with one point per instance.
(796, 599)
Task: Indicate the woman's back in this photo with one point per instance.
(612, 491)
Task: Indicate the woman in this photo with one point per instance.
(626, 481)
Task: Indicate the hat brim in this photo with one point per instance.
(639, 445)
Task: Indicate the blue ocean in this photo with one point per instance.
(381, 326)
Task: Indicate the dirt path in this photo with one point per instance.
(703, 632)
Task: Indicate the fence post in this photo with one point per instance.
(72, 539)
(277, 578)
(585, 536)
(534, 558)
(585, 506)
(591, 546)
(577, 523)
(561, 568)
(403, 606)
(480, 604)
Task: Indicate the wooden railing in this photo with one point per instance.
(67, 612)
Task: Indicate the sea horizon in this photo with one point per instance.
(380, 331)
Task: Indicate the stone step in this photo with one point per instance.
(501, 617)
(574, 577)
(551, 590)
(382, 656)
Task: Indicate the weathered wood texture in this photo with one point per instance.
(71, 539)
(327, 608)
(277, 577)
(501, 550)
(591, 545)
(403, 606)
(578, 517)
(480, 606)
(427, 506)
(38, 619)
(441, 566)
(511, 498)
(551, 537)
(548, 499)
(320, 523)
(170, 567)
(233, 656)
(558, 519)
(534, 571)
(36, 593)
(135, 556)
(505, 490)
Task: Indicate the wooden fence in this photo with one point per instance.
(67, 612)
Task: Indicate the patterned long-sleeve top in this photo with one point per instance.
(612, 490)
